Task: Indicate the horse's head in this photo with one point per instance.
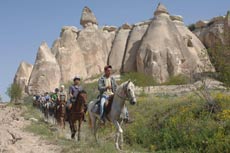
(82, 97)
(129, 91)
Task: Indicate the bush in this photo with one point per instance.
(14, 92)
(180, 125)
(177, 80)
(140, 79)
(191, 27)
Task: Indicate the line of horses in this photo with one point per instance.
(114, 111)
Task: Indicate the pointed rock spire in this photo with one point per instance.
(161, 9)
(22, 75)
(87, 17)
(44, 53)
(46, 74)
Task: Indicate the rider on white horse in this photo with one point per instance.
(107, 86)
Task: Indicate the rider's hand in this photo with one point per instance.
(108, 87)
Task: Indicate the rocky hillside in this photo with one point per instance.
(211, 32)
(160, 47)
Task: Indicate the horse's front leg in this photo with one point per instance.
(119, 132)
(79, 130)
(72, 128)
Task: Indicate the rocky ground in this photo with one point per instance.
(13, 139)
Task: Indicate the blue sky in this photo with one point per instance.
(24, 24)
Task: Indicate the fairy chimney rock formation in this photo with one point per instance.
(161, 46)
(22, 75)
(161, 9)
(45, 76)
(118, 48)
(164, 50)
(88, 18)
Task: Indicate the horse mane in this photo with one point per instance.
(122, 85)
(82, 91)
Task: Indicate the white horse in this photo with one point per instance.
(124, 92)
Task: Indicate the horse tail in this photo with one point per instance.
(90, 105)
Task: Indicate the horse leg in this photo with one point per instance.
(79, 129)
(118, 135)
(73, 131)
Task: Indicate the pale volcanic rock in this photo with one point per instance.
(46, 74)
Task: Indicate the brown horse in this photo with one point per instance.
(77, 112)
(61, 114)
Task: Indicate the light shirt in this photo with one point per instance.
(63, 96)
(108, 83)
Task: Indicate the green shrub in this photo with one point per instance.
(191, 27)
(140, 79)
(180, 125)
(92, 90)
(14, 92)
(177, 80)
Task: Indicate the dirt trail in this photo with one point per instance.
(14, 140)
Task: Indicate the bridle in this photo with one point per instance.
(127, 95)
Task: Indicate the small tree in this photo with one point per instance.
(0, 98)
(14, 92)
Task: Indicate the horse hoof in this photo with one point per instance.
(72, 136)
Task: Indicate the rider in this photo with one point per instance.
(62, 96)
(73, 92)
(54, 96)
(47, 97)
(107, 86)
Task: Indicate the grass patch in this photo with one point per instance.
(177, 80)
(140, 79)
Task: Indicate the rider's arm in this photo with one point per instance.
(101, 85)
(70, 92)
(114, 84)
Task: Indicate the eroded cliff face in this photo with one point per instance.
(212, 32)
(161, 47)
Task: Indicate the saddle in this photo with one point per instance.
(107, 106)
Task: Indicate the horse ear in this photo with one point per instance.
(128, 82)
(134, 81)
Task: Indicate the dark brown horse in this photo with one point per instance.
(61, 114)
(77, 113)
